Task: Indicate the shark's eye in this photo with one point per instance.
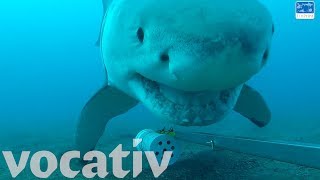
(140, 34)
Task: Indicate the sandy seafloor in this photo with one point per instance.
(196, 162)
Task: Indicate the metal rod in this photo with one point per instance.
(290, 152)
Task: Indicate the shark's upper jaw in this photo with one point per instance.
(182, 107)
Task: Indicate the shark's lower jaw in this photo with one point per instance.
(185, 108)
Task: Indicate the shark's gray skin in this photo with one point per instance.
(105, 5)
(187, 61)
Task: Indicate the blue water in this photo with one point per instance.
(49, 68)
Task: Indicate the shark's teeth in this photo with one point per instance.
(185, 121)
(187, 98)
(174, 76)
(208, 118)
(182, 107)
(197, 120)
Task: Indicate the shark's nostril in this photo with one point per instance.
(272, 28)
(164, 57)
(265, 56)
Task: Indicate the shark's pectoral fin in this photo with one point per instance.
(252, 106)
(103, 106)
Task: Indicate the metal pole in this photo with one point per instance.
(290, 152)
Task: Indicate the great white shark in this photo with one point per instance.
(187, 61)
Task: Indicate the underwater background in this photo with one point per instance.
(50, 67)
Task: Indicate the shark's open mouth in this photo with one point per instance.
(186, 108)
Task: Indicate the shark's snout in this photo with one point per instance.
(218, 62)
(209, 51)
(210, 48)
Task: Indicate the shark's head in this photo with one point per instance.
(178, 57)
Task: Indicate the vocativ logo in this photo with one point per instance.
(90, 170)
